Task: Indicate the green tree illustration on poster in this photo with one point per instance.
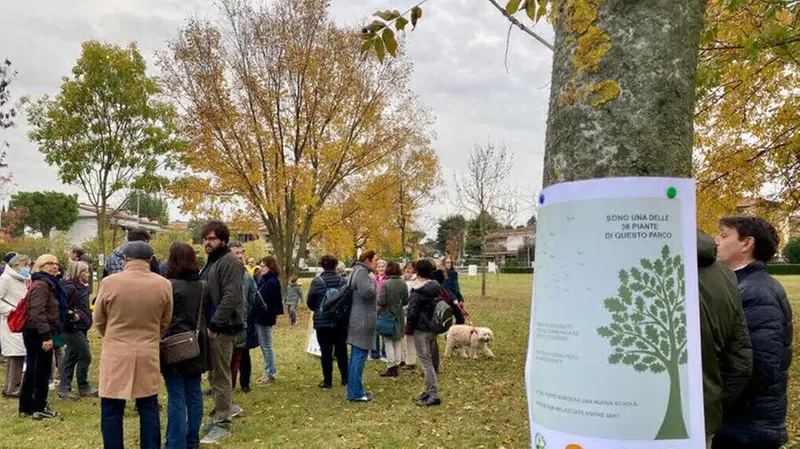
(648, 329)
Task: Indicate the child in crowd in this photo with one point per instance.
(294, 294)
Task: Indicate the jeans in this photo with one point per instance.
(221, 355)
(293, 313)
(457, 314)
(379, 350)
(425, 342)
(38, 366)
(184, 411)
(358, 358)
(331, 340)
(77, 356)
(265, 339)
(58, 361)
(112, 412)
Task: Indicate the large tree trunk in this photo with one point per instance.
(631, 114)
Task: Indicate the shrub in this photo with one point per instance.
(783, 269)
(791, 252)
(517, 270)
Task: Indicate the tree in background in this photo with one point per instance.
(483, 192)
(748, 111)
(485, 222)
(281, 100)
(164, 239)
(106, 131)
(7, 114)
(791, 252)
(45, 211)
(450, 235)
(532, 221)
(152, 207)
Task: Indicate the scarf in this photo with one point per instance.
(215, 256)
(60, 293)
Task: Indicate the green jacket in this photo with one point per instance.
(391, 299)
(725, 340)
(249, 290)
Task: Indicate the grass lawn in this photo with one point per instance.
(484, 401)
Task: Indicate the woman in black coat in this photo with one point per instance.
(77, 357)
(184, 392)
(269, 286)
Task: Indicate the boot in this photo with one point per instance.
(390, 372)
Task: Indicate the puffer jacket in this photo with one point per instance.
(78, 303)
(44, 314)
(316, 293)
(759, 416)
(725, 342)
(421, 304)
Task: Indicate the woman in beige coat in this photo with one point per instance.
(131, 310)
(13, 286)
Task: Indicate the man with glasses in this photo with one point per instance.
(224, 310)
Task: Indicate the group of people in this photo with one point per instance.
(231, 305)
(746, 337)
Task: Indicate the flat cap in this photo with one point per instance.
(138, 251)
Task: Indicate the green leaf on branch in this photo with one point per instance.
(389, 41)
(367, 45)
(416, 14)
(512, 7)
(387, 15)
(542, 10)
(380, 49)
(530, 9)
(401, 23)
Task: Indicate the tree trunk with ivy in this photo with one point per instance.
(623, 90)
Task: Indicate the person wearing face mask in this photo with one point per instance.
(79, 321)
(46, 315)
(13, 285)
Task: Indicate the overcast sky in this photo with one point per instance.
(458, 51)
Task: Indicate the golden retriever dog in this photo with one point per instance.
(462, 337)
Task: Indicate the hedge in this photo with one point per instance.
(784, 269)
(517, 270)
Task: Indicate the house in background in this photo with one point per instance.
(506, 244)
(85, 228)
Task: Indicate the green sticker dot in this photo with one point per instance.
(672, 192)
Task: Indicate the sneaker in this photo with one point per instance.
(366, 398)
(90, 393)
(24, 415)
(206, 428)
(68, 396)
(236, 411)
(38, 416)
(390, 372)
(266, 379)
(429, 401)
(48, 413)
(216, 435)
(420, 398)
(325, 385)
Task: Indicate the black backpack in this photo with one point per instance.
(334, 310)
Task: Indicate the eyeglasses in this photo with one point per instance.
(51, 263)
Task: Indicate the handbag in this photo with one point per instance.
(183, 345)
(385, 324)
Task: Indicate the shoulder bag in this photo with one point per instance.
(184, 345)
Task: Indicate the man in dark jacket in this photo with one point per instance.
(331, 336)
(725, 341)
(224, 303)
(758, 418)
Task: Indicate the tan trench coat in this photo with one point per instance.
(131, 310)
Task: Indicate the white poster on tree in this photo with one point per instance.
(614, 346)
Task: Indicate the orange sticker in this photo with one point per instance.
(573, 446)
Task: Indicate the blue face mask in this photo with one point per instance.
(25, 272)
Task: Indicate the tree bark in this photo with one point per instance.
(632, 113)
